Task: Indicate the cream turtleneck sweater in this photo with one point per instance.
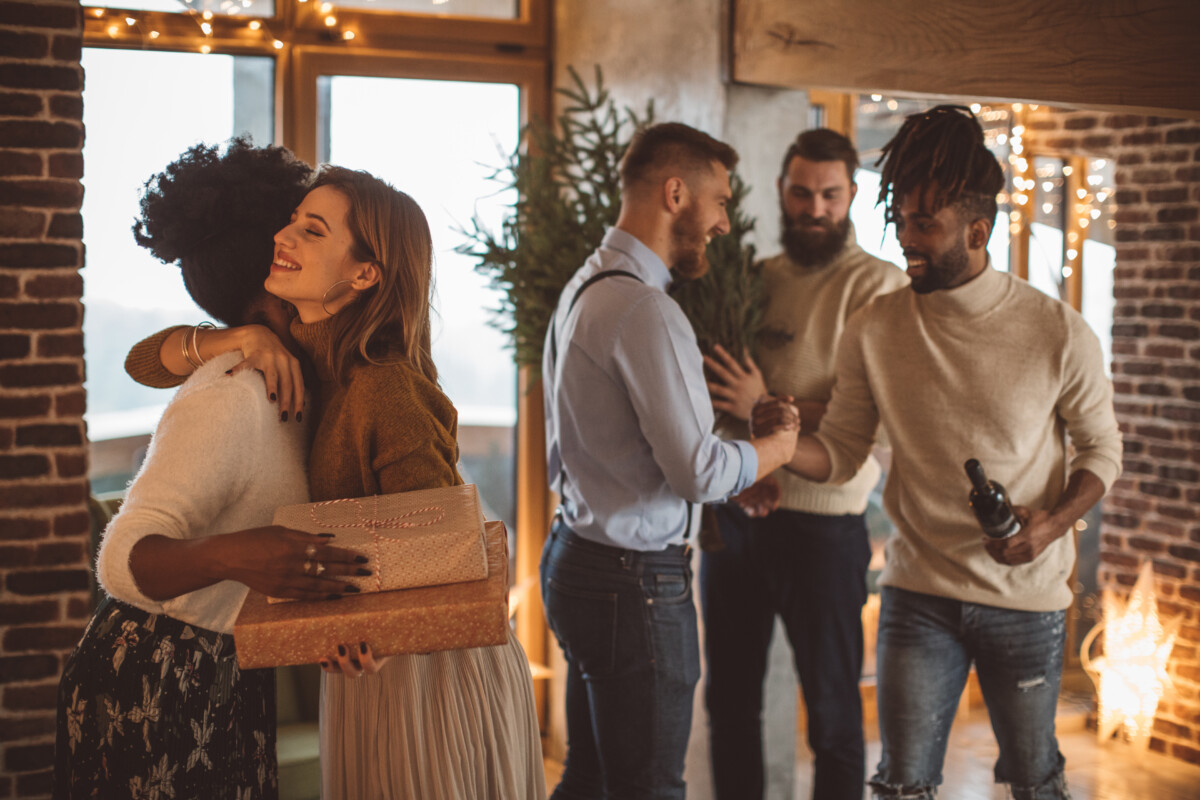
(993, 370)
(803, 321)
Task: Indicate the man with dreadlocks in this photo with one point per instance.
(967, 363)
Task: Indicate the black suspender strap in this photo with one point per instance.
(599, 276)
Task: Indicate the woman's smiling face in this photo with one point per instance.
(313, 254)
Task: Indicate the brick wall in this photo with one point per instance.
(1153, 512)
(44, 600)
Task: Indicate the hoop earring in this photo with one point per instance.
(325, 297)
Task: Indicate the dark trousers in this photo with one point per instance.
(627, 625)
(810, 569)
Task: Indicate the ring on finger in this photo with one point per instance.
(310, 551)
(320, 568)
(308, 565)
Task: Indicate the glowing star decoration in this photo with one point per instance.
(1131, 677)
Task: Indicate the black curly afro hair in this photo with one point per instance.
(215, 214)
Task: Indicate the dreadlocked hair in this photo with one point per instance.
(943, 145)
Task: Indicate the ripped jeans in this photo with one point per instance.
(925, 649)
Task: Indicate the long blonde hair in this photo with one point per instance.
(390, 321)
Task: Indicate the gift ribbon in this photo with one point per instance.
(373, 522)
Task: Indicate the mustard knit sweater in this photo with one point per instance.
(993, 370)
(385, 429)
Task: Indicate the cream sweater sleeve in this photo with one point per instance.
(196, 466)
(851, 419)
(1086, 405)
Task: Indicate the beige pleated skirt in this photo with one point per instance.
(455, 725)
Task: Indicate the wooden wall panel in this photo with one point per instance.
(1096, 53)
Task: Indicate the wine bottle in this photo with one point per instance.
(989, 501)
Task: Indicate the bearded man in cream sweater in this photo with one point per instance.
(806, 561)
(969, 362)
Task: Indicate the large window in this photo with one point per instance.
(141, 110)
(442, 160)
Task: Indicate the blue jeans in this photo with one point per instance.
(810, 569)
(627, 626)
(925, 649)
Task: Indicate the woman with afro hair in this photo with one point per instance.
(152, 702)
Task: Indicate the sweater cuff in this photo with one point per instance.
(144, 364)
(115, 576)
(1103, 468)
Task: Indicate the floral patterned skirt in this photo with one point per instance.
(151, 707)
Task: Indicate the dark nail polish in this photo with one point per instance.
(350, 589)
(363, 572)
(229, 372)
(327, 535)
(362, 647)
(283, 417)
(341, 650)
(272, 397)
(359, 559)
(299, 415)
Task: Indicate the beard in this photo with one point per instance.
(688, 246)
(943, 272)
(813, 247)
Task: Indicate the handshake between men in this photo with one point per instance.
(770, 415)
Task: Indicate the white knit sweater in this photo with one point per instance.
(219, 461)
(803, 322)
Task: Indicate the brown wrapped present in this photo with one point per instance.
(422, 538)
(451, 617)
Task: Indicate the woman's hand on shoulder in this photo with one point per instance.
(262, 351)
(353, 661)
(281, 562)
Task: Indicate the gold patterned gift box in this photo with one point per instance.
(424, 620)
(422, 538)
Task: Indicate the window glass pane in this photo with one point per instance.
(244, 8)
(1100, 255)
(138, 120)
(1046, 229)
(442, 160)
(494, 9)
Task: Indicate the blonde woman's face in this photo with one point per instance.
(313, 268)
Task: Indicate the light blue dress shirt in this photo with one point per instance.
(628, 415)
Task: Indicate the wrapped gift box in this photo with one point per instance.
(450, 617)
(422, 538)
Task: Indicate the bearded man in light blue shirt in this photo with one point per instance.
(631, 453)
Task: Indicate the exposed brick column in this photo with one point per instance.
(44, 554)
(1153, 511)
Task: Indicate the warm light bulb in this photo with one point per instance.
(113, 30)
(1072, 254)
(876, 97)
(347, 35)
(1072, 237)
(278, 44)
(207, 15)
(206, 49)
(1047, 186)
(1066, 271)
(1081, 193)
(1022, 199)
(97, 12)
(1047, 208)
(1068, 169)
(1018, 107)
(1095, 213)
(255, 25)
(892, 105)
(1001, 138)
(1014, 216)
(1083, 223)
(330, 21)
(976, 108)
(326, 8)
(130, 21)
(154, 34)
(207, 28)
